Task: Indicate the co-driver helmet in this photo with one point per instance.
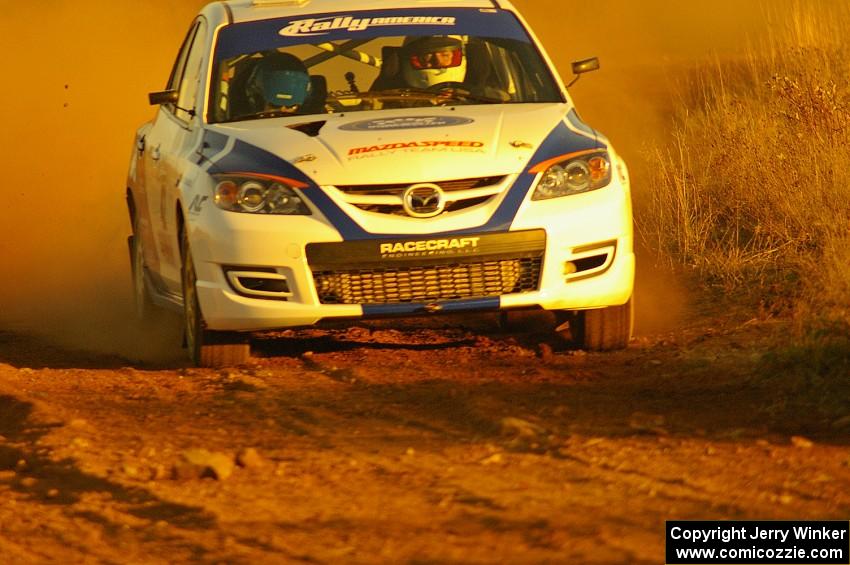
(281, 79)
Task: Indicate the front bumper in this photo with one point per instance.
(589, 233)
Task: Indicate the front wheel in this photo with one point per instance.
(603, 329)
(206, 348)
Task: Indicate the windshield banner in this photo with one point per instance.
(250, 37)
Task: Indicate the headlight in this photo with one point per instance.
(581, 173)
(260, 194)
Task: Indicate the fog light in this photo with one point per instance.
(590, 260)
(258, 282)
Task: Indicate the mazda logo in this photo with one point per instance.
(424, 201)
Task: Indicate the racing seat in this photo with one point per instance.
(479, 66)
(389, 76)
(240, 103)
(315, 104)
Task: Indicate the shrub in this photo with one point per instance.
(753, 188)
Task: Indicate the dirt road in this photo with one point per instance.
(444, 441)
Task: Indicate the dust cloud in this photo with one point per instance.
(76, 75)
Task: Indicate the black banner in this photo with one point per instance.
(760, 543)
(425, 250)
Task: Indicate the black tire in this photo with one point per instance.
(145, 309)
(507, 321)
(206, 348)
(603, 329)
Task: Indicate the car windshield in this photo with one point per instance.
(375, 60)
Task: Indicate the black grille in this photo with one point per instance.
(398, 189)
(453, 281)
(399, 211)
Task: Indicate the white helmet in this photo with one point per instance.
(431, 60)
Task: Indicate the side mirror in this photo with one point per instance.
(163, 97)
(584, 66)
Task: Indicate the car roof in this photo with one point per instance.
(251, 10)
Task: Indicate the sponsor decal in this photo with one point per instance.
(429, 248)
(197, 204)
(308, 158)
(423, 146)
(407, 122)
(321, 26)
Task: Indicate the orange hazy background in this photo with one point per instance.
(76, 76)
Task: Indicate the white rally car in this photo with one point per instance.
(324, 160)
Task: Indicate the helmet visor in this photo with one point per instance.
(442, 58)
(285, 88)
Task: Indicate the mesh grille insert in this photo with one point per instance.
(453, 281)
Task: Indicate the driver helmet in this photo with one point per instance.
(282, 80)
(431, 60)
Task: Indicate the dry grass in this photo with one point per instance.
(753, 188)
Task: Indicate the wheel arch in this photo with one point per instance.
(131, 205)
(181, 225)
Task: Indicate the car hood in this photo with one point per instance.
(406, 146)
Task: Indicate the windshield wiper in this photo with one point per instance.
(433, 95)
(263, 114)
(395, 94)
(449, 93)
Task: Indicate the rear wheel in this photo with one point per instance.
(144, 306)
(206, 348)
(602, 329)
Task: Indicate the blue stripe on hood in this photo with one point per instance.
(247, 158)
(212, 144)
(560, 141)
(576, 122)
